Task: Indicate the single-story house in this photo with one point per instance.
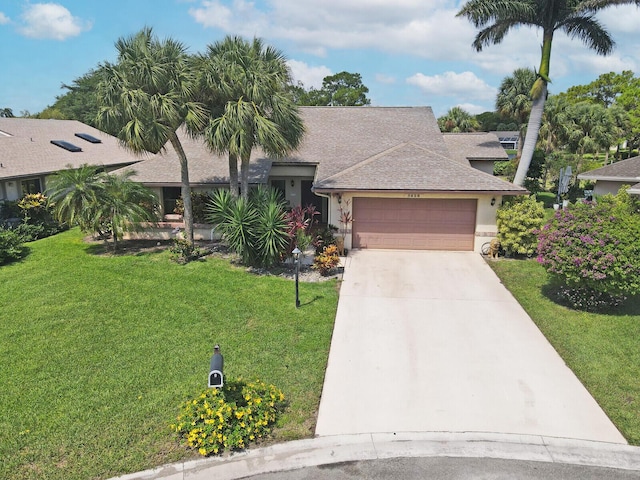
(405, 184)
(509, 139)
(32, 149)
(610, 178)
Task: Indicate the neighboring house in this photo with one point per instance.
(481, 149)
(32, 149)
(610, 178)
(509, 140)
(406, 185)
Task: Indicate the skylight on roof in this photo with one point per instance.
(88, 138)
(66, 145)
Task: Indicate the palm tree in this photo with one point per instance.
(99, 202)
(125, 204)
(575, 17)
(75, 194)
(514, 99)
(245, 85)
(147, 96)
(457, 120)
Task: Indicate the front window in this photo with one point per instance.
(31, 186)
(169, 197)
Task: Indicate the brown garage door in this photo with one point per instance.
(414, 223)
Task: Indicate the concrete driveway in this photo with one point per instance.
(432, 341)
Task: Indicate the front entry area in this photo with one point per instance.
(414, 223)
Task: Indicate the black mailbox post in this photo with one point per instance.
(216, 377)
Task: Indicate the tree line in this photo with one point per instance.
(235, 96)
(597, 118)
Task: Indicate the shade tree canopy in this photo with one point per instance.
(343, 89)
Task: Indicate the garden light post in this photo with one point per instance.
(296, 254)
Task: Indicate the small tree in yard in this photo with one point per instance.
(591, 252)
(518, 222)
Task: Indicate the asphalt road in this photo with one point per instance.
(445, 468)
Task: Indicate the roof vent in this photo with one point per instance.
(66, 145)
(88, 138)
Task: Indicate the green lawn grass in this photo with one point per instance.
(98, 352)
(602, 349)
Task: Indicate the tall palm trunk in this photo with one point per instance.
(539, 96)
(244, 177)
(533, 128)
(521, 136)
(185, 188)
(233, 175)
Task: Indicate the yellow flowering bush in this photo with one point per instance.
(230, 417)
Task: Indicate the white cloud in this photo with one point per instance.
(450, 84)
(51, 21)
(385, 79)
(620, 19)
(419, 30)
(310, 77)
(240, 18)
(403, 26)
(472, 108)
(4, 19)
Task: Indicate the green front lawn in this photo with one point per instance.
(98, 352)
(602, 349)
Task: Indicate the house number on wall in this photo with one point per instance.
(413, 195)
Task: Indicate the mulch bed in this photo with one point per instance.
(215, 248)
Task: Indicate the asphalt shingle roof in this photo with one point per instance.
(205, 168)
(411, 167)
(475, 146)
(625, 170)
(26, 148)
(353, 148)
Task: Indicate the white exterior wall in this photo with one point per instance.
(486, 228)
(12, 190)
(484, 166)
(603, 187)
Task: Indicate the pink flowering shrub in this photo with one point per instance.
(592, 253)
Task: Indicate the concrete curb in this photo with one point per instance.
(371, 446)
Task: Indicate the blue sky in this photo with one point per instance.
(409, 52)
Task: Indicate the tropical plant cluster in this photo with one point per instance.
(591, 252)
(518, 224)
(326, 261)
(260, 230)
(254, 228)
(107, 205)
(229, 418)
(36, 214)
(300, 227)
